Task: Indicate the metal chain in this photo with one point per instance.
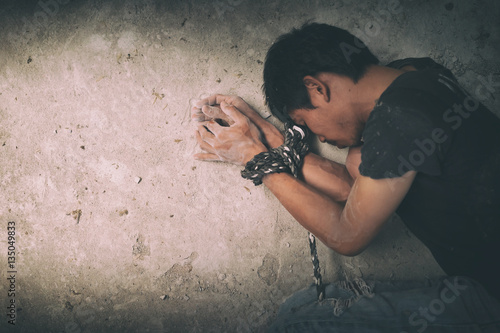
(287, 158)
(318, 280)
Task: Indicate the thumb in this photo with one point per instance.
(232, 112)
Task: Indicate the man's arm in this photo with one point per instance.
(346, 229)
(326, 176)
(329, 177)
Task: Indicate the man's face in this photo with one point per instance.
(334, 124)
(335, 119)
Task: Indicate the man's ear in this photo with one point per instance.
(316, 88)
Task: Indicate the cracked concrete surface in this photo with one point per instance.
(118, 229)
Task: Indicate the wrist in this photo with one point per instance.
(254, 152)
(285, 158)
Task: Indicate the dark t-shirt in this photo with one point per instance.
(426, 122)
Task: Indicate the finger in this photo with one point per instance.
(215, 112)
(213, 127)
(224, 98)
(211, 100)
(197, 114)
(206, 157)
(203, 144)
(206, 135)
(215, 99)
(232, 112)
(212, 111)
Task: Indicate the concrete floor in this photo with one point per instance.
(117, 228)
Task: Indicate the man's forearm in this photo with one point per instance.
(328, 177)
(314, 210)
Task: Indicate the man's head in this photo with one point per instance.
(296, 59)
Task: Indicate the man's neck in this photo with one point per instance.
(371, 86)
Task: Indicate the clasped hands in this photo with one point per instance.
(229, 130)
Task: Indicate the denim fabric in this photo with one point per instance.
(451, 304)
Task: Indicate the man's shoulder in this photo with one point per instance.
(408, 114)
(423, 94)
(406, 107)
(420, 87)
(419, 64)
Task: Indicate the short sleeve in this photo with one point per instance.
(401, 138)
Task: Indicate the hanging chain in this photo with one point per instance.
(320, 289)
(287, 158)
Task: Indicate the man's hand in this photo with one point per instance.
(237, 143)
(207, 109)
(210, 112)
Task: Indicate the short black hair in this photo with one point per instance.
(310, 50)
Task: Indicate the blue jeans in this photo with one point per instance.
(451, 304)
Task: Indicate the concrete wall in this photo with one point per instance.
(117, 228)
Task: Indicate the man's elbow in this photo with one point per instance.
(348, 249)
(352, 252)
(344, 192)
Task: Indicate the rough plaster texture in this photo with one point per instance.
(118, 229)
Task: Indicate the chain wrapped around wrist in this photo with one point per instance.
(285, 158)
